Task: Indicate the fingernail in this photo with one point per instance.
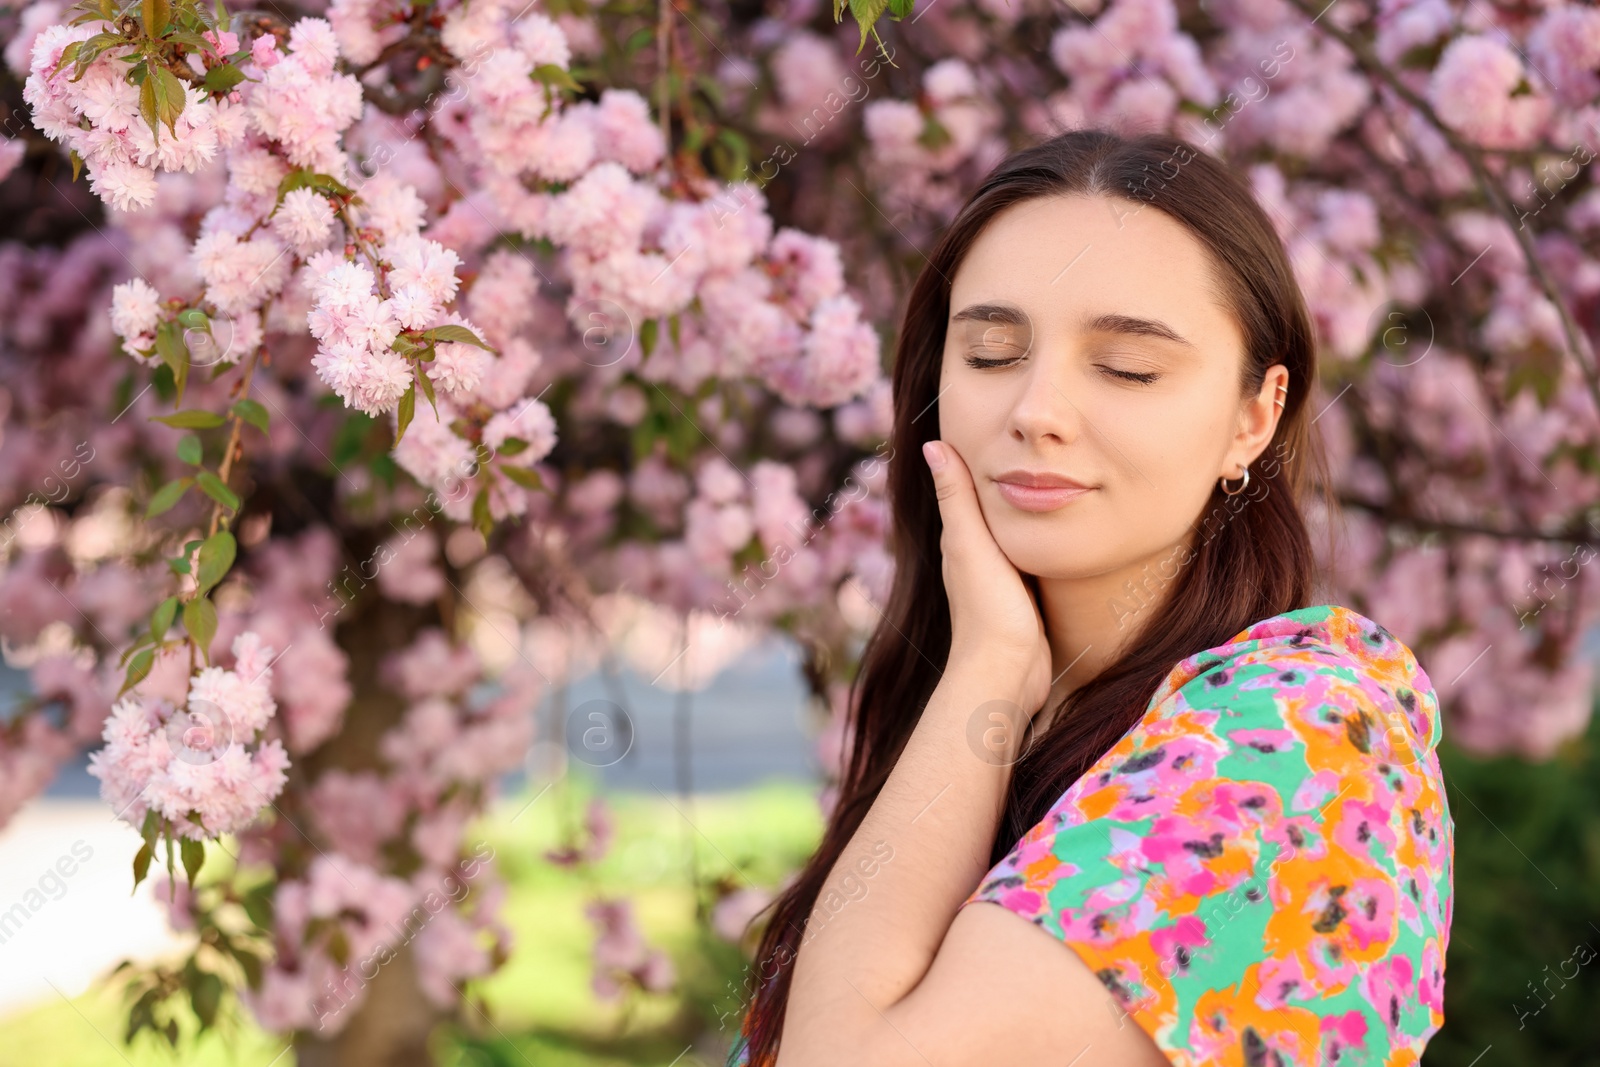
(933, 452)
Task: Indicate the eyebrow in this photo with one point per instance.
(1132, 324)
(1109, 322)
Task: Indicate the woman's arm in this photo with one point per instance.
(896, 977)
(934, 820)
(887, 972)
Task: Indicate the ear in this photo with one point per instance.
(1258, 421)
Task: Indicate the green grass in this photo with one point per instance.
(540, 1005)
(87, 1032)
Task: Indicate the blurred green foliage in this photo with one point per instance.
(1527, 910)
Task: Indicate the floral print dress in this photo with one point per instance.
(1260, 871)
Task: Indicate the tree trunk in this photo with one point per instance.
(392, 1024)
(390, 1028)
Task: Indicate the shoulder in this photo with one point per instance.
(1266, 857)
(1327, 672)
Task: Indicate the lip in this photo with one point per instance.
(1038, 490)
(1038, 479)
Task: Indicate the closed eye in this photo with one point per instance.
(1142, 377)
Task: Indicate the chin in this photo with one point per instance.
(1059, 547)
(1043, 557)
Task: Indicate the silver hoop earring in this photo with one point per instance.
(1222, 483)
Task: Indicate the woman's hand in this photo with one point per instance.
(994, 622)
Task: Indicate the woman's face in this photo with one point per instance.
(1114, 365)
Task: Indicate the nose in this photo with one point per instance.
(1043, 412)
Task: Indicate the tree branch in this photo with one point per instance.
(1474, 157)
(1399, 517)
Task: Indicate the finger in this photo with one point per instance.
(952, 483)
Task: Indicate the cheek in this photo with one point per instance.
(1165, 460)
(970, 418)
(1168, 444)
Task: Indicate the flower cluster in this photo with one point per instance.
(202, 766)
(98, 115)
(622, 957)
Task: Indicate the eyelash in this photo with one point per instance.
(1141, 377)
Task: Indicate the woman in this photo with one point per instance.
(1102, 692)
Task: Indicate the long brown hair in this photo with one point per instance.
(1254, 560)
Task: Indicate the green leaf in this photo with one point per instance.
(408, 404)
(295, 179)
(161, 618)
(867, 12)
(647, 337)
(193, 419)
(427, 391)
(526, 477)
(250, 963)
(200, 619)
(258, 905)
(194, 854)
(640, 37)
(512, 446)
(167, 496)
(740, 149)
(189, 39)
(339, 947)
(482, 519)
(453, 332)
(141, 864)
(174, 352)
(350, 438)
(217, 490)
(901, 8)
(137, 670)
(127, 653)
(84, 58)
(206, 996)
(77, 164)
(157, 13)
(170, 97)
(384, 468)
(550, 74)
(194, 319)
(252, 412)
(672, 328)
(306, 178)
(68, 54)
(934, 136)
(216, 556)
(189, 450)
(222, 80)
(148, 106)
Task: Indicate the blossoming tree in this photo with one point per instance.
(415, 358)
